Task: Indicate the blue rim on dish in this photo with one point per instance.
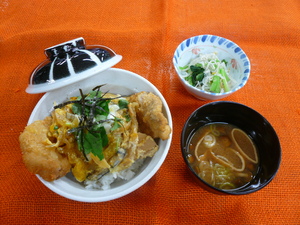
(217, 43)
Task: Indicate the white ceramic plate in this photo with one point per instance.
(118, 81)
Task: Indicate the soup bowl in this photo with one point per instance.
(258, 129)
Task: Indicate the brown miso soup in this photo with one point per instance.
(223, 156)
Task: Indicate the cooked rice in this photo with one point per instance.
(104, 182)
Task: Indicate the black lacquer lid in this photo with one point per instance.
(70, 62)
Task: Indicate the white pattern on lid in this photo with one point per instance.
(70, 62)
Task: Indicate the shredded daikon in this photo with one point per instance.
(208, 73)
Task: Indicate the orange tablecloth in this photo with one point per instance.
(146, 34)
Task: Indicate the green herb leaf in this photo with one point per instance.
(189, 80)
(116, 124)
(123, 103)
(127, 117)
(197, 73)
(92, 143)
(224, 61)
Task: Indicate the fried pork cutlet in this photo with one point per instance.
(149, 114)
(39, 159)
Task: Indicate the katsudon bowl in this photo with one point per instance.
(116, 81)
(213, 167)
(73, 68)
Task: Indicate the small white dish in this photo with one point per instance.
(117, 81)
(225, 49)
